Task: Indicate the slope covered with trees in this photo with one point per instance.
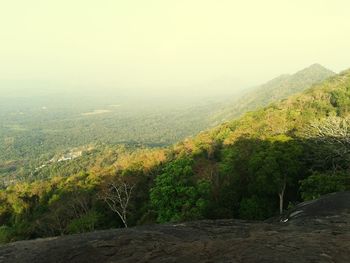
(274, 90)
(251, 168)
(36, 128)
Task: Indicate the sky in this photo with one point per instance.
(169, 46)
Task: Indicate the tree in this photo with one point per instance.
(330, 155)
(117, 193)
(176, 195)
(332, 134)
(64, 206)
(323, 183)
(276, 165)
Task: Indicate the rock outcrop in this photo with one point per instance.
(317, 231)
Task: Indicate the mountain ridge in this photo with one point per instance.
(275, 89)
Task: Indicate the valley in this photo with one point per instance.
(174, 131)
(32, 133)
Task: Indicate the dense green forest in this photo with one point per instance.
(253, 167)
(50, 124)
(35, 130)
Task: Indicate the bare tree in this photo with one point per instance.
(117, 194)
(333, 132)
(335, 128)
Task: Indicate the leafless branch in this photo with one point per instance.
(333, 132)
(117, 195)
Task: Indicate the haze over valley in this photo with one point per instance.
(36, 127)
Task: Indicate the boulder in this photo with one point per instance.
(316, 231)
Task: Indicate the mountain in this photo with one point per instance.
(320, 234)
(253, 167)
(274, 90)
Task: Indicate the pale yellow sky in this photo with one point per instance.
(167, 44)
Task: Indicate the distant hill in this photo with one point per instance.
(276, 89)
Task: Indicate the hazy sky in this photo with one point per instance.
(169, 45)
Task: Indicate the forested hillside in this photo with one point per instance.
(37, 130)
(251, 168)
(274, 90)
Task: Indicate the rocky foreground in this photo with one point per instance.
(317, 231)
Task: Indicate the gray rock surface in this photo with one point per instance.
(312, 232)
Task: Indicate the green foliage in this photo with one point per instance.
(6, 234)
(255, 172)
(276, 163)
(177, 195)
(323, 183)
(86, 223)
(239, 169)
(18, 231)
(255, 208)
(341, 100)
